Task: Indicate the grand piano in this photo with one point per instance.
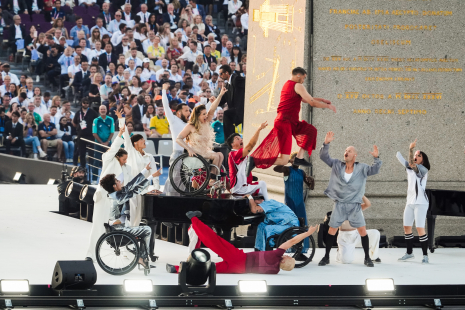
(223, 213)
(443, 202)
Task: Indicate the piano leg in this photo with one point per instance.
(153, 226)
(226, 233)
(431, 222)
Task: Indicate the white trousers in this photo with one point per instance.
(101, 216)
(349, 240)
(252, 188)
(193, 240)
(415, 213)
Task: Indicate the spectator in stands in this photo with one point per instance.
(79, 27)
(83, 121)
(59, 24)
(85, 45)
(108, 57)
(31, 107)
(170, 17)
(64, 132)
(156, 51)
(21, 99)
(245, 22)
(3, 120)
(218, 127)
(22, 116)
(106, 89)
(103, 129)
(65, 61)
(222, 48)
(95, 64)
(120, 74)
(210, 28)
(202, 66)
(144, 14)
(6, 72)
(189, 57)
(123, 47)
(114, 25)
(30, 136)
(56, 101)
(48, 138)
(17, 32)
(78, 52)
(208, 57)
(111, 69)
(53, 115)
(128, 16)
(214, 52)
(39, 107)
(65, 107)
(94, 37)
(14, 134)
(228, 51)
(213, 82)
(29, 84)
(5, 88)
(6, 102)
(105, 15)
(236, 55)
(100, 27)
(52, 65)
(58, 13)
(94, 88)
(147, 117)
(159, 124)
(200, 25)
(80, 76)
(139, 109)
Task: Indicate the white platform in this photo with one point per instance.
(32, 239)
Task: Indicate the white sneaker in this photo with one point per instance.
(35, 156)
(425, 259)
(42, 154)
(65, 88)
(406, 257)
(37, 79)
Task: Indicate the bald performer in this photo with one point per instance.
(346, 188)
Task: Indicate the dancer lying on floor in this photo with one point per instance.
(235, 260)
(120, 196)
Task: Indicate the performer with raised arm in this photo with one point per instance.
(119, 213)
(235, 260)
(417, 169)
(177, 123)
(200, 136)
(347, 187)
(113, 162)
(137, 159)
(242, 184)
(276, 148)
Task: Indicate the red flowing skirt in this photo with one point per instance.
(279, 141)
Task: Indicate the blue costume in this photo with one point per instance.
(278, 217)
(294, 195)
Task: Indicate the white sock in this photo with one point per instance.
(39, 148)
(35, 155)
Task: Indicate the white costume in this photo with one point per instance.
(349, 238)
(102, 203)
(138, 162)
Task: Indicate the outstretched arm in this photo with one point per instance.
(374, 169)
(402, 160)
(248, 148)
(411, 160)
(366, 203)
(324, 151)
(182, 135)
(282, 169)
(211, 111)
(314, 102)
(166, 103)
(286, 245)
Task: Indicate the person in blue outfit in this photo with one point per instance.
(278, 217)
(294, 190)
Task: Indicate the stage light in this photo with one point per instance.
(138, 286)
(73, 190)
(194, 273)
(252, 287)
(53, 182)
(87, 194)
(14, 287)
(380, 286)
(19, 178)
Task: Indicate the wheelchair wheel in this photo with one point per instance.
(117, 252)
(296, 251)
(189, 175)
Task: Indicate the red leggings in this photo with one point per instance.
(233, 258)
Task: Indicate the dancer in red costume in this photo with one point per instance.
(276, 148)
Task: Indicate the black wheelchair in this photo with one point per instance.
(118, 252)
(190, 175)
(296, 251)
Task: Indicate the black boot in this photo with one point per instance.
(250, 165)
(301, 162)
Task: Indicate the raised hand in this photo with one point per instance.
(223, 90)
(191, 153)
(329, 137)
(375, 152)
(263, 125)
(332, 108)
(121, 130)
(166, 86)
(119, 114)
(413, 144)
(148, 167)
(157, 173)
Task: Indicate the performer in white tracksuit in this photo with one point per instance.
(349, 238)
(113, 162)
(417, 169)
(138, 160)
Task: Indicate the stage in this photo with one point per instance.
(33, 238)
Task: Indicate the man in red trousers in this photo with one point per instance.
(235, 260)
(276, 148)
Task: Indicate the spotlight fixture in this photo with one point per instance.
(194, 273)
(73, 190)
(252, 287)
(87, 194)
(380, 287)
(53, 182)
(137, 286)
(14, 287)
(19, 178)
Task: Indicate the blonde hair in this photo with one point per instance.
(287, 264)
(194, 119)
(33, 119)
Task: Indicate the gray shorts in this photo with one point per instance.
(347, 211)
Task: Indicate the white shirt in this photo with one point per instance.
(212, 85)
(142, 15)
(135, 91)
(414, 183)
(96, 53)
(146, 121)
(190, 55)
(176, 124)
(245, 20)
(117, 78)
(175, 77)
(347, 176)
(18, 33)
(3, 89)
(137, 61)
(115, 37)
(41, 110)
(159, 72)
(73, 69)
(14, 77)
(54, 119)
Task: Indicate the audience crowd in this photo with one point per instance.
(115, 62)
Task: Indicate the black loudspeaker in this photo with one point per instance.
(451, 241)
(74, 275)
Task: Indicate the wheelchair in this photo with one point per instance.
(118, 252)
(296, 251)
(190, 176)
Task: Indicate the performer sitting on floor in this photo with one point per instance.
(347, 187)
(235, 260)
(349, 238)
(113, 162)
(119, 213)
(417, 202)
(242, 184)
(200, 135)
(287, 124)
(293, 189)
(278, 217)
